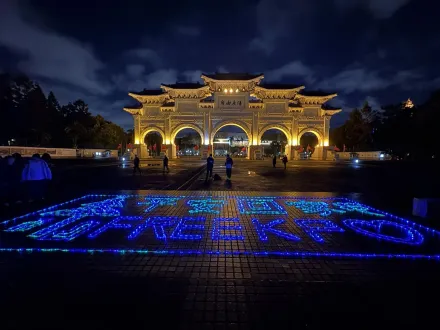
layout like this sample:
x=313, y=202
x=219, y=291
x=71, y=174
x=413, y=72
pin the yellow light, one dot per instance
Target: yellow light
x=230, y=90
x=326, y=144
x=136, y=141
x=236, y=90
x=226, y=90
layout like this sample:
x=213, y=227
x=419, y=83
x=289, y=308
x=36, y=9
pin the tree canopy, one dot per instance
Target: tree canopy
x=407, y=131
x=30, y=118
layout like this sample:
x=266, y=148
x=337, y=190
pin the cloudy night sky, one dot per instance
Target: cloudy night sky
x=382, y=51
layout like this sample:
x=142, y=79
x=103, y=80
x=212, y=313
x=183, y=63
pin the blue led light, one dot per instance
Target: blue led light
x=356, y=207
x=314, y=227
x=67, y=221
x=158, y=224
x=373, y=228
x=157, y=201
x=290, y=254
x=25, y=226
x=106, y=208
x=313, y=207
x=208, y=205
x=323, y=208
x=68, y=235
x=115, y=223
x=220, y=225
x=260, y=206
x=183, y=225
x=269, y=227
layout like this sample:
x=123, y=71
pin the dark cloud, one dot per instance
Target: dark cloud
x=145, y=55
x=290, y=70
x=190, y=31
x=380, y=9
x=47, y=54
x=382, y=51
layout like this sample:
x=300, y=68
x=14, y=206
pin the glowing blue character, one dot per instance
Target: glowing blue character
x=259, y=205
x=155, y=202
x=355, y=207
x=208, y=205
x=158, y=223
x=380, y=229
x=262, y=230
x=312, y=207
x=106, y=208
x=188, y=224
x=314, y=228
x=221, y=227
x=114, y=224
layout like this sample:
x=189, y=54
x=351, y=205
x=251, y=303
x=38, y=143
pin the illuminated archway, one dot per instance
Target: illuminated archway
x=180, y=127
x=152, y=129
x=281, y=128
x=236, y=123
x=242, y=125
x=317, y=133
x=284, y=149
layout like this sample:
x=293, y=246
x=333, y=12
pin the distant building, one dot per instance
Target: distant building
x=408, y=104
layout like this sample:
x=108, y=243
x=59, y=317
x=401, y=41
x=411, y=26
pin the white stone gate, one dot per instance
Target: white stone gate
x=231, y=99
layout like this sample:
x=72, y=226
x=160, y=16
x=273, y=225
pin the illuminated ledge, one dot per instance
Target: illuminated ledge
x=299, y=254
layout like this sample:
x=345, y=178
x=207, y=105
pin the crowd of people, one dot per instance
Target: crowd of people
x=24, y=179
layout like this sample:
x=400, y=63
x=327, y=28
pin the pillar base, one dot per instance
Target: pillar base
x=205, y=151
x=255, y=152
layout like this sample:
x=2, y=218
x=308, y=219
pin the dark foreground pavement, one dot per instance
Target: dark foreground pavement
x=239, y=289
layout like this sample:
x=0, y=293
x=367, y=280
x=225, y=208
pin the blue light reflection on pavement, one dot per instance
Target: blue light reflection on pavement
x=301, y=227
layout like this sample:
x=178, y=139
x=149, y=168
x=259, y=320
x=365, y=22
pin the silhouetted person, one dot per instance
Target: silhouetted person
x=274, y=160
x=36, y=175
x=16, y=178
x=285, y=161
x=228, y=164
x=136, y=163
x=46, y=157
x=165, y=164
x=209, y=166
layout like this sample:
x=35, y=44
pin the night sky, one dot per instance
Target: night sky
x=382, y=51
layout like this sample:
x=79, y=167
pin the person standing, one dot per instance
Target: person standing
x=36, y=174
x=285, y=161
x=228, y=164
x=209, y=167
x=136, y=167
x=274, y=161
x=165, y=164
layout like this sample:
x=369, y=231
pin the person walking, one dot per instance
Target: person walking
x=136, y=167
x=36, y=175
x=209, y=167
x=228, y=164
x=274, y=161
x=165, y=164
x=285, y=161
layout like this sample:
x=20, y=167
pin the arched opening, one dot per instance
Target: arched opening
x=232, y=139
x=274, y=142
x=187, y=142
x=153, y=141
x=309, y=141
